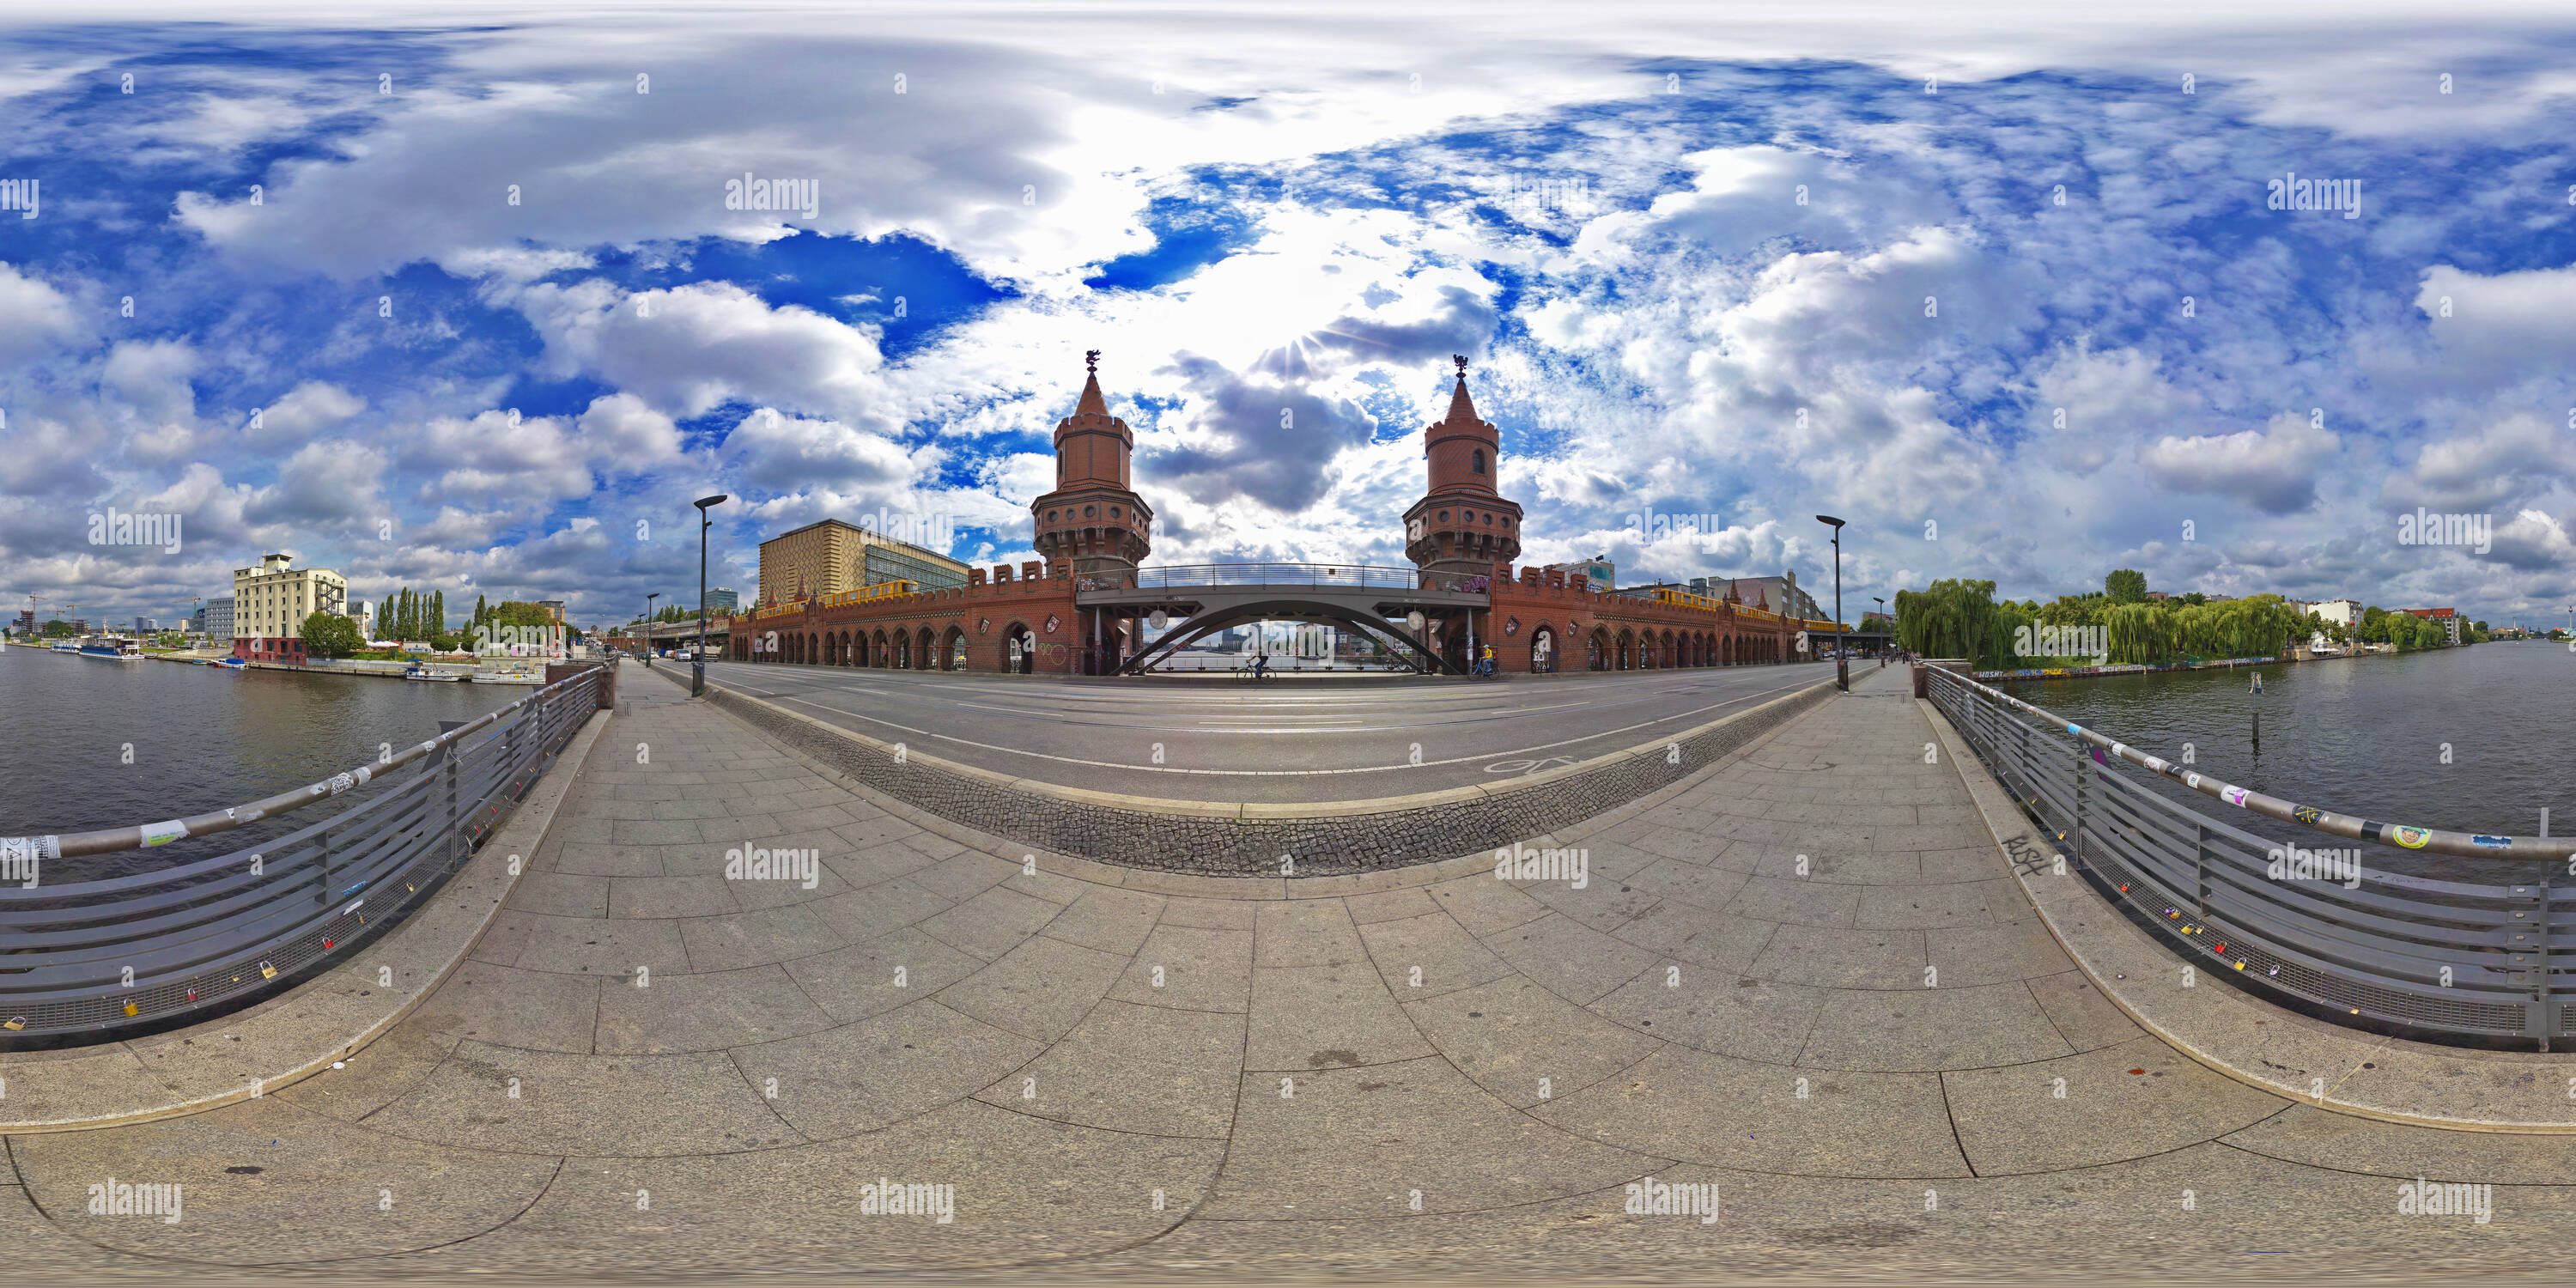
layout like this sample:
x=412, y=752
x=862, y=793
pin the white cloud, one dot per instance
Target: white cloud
x=2273, y=469
x=35, y=319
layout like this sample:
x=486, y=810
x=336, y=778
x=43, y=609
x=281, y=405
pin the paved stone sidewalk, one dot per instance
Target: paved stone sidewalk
x=1807, y=979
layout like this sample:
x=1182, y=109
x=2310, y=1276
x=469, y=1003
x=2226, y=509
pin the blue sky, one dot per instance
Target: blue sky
x=2012, y=303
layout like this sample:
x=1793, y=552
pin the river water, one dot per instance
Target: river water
x=2476, y=739
x=200, y=738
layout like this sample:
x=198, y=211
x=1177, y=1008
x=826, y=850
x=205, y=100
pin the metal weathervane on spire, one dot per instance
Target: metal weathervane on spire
x=1091, y=360
x=1461, y=360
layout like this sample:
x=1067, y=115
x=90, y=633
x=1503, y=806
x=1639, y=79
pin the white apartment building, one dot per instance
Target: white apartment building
x=2334, y=612
x=271, y=601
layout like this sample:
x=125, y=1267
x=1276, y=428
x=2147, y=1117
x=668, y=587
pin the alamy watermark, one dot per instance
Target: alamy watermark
x=1651, y=1197
x=1527, y=863
x=19, y=195
x=2420, y=1197
x=2342, y=866
x=2425, y=528
x=804, y=867
x=1652, y=526
x=494, y=640
x=890, y=1198
x=2063, y=641
x=799, y=196
x=119, y=528
x=933, y=531
x=2290, y=192
x=1522, y=194
x=117, y=1198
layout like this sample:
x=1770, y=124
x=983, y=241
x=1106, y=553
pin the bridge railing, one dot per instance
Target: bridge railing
x=2316, y=924
x=91, y=958
x=1352, y=576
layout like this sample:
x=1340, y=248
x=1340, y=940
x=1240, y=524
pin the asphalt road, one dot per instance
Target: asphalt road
x=1300, y=738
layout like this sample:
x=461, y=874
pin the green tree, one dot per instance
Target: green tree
x=57, y=629
x=330, y=635
x=1957, y=618
x=2125, y=586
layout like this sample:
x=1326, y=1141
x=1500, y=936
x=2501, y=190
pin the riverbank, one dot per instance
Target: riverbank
x=2207, y=664
x=518, y=671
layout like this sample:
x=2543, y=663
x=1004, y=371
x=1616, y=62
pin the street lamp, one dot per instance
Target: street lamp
x=1842, y=663
x=698, y=659
x=648, y=628
x=1891, y=630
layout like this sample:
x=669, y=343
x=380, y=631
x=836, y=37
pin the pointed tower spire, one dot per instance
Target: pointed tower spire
x=1462, y=408
x=1092, y=403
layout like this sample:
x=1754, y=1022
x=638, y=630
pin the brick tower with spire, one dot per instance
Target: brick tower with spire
x=1462, y=524
x=1093, y=521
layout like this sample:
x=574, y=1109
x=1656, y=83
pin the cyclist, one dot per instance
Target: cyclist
x=1485, y=661
x=1260, y=667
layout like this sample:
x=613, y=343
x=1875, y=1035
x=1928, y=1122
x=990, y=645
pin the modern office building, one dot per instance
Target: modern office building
x=271, y=601
x=829, y=556
x=723, y=601
x=1598, y=573
x=146, y=625
x=215, y=620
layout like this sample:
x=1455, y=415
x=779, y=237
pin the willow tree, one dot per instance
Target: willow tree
x=1957, y=618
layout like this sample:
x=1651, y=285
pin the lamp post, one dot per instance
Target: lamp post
x=1891, y=630
x=1842, y=663
x=648, y=628
x=698, y=658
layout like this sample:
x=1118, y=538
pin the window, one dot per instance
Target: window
x=1480, y=460
x=1113, y=512
x=1089, y=511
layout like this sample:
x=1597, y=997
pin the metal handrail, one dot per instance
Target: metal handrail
x=116, y=839
x=2474, y=845
x=2319, y=928
x=89, y=959
x=1359, y=576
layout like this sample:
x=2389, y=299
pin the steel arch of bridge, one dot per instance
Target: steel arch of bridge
x=1200, y=625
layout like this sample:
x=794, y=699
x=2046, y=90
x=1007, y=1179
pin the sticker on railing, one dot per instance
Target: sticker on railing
x=2234, y=796
x=163, y=833
x=2490, y=842
x=15, y=849
x=2413, y=838
x=2308, y=814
